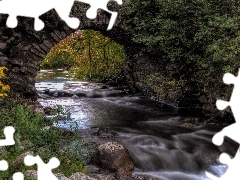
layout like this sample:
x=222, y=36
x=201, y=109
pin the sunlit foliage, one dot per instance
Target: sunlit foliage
x=94, y=55
x=4, y=88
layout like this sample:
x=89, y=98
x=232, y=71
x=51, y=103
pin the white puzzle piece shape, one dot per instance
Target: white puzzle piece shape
x=233, y=167
x=18, y=176
x=100, y=4
x=36, y=8
x=230, y=131
x=3, y=165
x=9, y=140
x=44, y=170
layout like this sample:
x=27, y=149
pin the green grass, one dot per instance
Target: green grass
x=31, y=135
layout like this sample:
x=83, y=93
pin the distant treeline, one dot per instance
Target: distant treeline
x=94, y=55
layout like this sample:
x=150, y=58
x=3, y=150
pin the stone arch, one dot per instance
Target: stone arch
x=22, y=49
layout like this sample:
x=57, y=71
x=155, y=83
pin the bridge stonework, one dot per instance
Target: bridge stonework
x=22, y=49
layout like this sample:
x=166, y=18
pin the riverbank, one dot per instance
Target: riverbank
x=35, y=136
x=154, y=135
x=183, y=107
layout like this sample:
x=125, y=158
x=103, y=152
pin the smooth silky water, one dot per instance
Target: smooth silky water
x=161, y=143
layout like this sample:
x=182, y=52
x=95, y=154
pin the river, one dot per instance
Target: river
x=161, y=142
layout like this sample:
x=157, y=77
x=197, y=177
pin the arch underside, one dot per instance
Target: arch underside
x=22, y=49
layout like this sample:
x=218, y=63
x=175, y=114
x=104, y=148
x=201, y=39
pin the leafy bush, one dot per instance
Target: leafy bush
x=200, y=36
x=32, y=135
x=164, y=87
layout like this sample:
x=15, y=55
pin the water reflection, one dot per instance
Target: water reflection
x=160, y=141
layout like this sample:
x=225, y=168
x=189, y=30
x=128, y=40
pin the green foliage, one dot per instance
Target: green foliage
x=100, y=56
x=32, y=135
x=181, y=29
x=200, y=35
x=61, y=59
x=165, y=87
x=94, y=55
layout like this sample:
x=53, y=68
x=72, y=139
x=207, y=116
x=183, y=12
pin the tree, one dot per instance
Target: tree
x=200, y=35
x=94, y=55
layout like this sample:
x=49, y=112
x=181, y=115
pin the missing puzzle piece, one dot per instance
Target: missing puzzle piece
x=233, y=167
x=3, y=165
x=230, y=131
x=44, y=170
x=35, y=8
x=9, y=140
x=100, y=4
x=234, y=102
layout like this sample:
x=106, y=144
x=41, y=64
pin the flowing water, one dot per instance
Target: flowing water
x=162, y=143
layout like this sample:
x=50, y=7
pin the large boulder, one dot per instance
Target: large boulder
x=115, y=157
x=105, y=133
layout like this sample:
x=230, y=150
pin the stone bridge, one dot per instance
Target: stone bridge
x=22, y=49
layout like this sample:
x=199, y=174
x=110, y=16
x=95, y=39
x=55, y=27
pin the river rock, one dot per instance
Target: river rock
x=43, y=96
x=32, y=175
x=64, y=93
x=80, y=176
x=115, y=157
x=105, y=133
x=48, y=110
x=39, y=110
x=61, y=176
x=92, y=169
x=143, y=177
x=103, y=177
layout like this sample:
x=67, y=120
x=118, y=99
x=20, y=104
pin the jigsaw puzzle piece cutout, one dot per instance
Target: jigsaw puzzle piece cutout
x=26, y=8
x=44, y=170
x=234, y=102
x=3, y=165
x=36, y=8
x=63, y=8
x=229, y=131
x=229, y=78
x=221, y=104
x=100, y=4
x=9, y=140
x=18, y=176
x=233, y=167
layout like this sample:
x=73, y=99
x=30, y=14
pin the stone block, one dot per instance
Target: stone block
x=3, y=61
x=3, y=46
